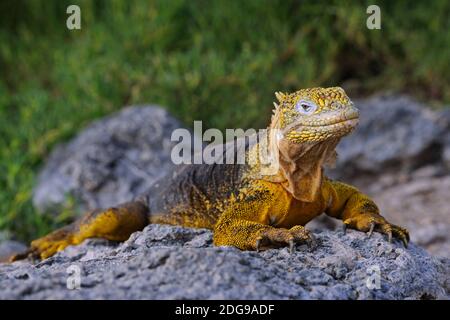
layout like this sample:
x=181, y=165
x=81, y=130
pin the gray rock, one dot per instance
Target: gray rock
x=108, y=163
x=167, y=262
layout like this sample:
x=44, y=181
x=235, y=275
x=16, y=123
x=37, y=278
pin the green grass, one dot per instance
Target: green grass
x=218, y=61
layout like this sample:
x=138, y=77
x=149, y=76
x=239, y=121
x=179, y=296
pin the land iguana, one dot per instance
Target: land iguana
x=244, y=206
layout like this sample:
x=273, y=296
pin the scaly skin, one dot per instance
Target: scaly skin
x=244, y=204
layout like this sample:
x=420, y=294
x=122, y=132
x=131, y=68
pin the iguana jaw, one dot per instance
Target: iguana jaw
x=333, y=124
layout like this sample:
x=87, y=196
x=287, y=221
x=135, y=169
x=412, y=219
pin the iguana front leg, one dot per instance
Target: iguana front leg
x=359, y=212
x=245, y=225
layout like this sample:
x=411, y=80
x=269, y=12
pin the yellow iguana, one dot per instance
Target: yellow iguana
x=245, y=207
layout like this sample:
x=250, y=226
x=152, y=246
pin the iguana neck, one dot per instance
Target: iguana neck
x=300, y=165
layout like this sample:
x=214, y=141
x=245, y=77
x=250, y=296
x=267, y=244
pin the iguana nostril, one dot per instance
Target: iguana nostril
x=351, y=113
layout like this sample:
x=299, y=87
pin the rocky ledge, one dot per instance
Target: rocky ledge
x=166, y=262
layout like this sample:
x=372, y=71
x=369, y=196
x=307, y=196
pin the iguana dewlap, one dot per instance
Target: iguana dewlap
x=243, y=204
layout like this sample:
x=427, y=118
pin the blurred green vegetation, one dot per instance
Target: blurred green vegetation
x=218, y=61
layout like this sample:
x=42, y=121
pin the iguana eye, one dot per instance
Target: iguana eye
x=305, y=107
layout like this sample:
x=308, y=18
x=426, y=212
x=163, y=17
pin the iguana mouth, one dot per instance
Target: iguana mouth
x=351, y=122
x=331, y=118
x=319, y=132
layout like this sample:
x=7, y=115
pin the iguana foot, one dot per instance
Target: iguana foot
x=369, y=222
x=281, y=237
x=47, y=246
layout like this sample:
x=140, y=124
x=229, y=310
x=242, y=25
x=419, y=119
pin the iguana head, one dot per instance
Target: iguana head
x=305, y=129
x=314, y=115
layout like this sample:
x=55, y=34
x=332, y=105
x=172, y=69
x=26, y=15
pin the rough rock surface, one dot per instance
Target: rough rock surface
x=109, y=162
x=166, y=262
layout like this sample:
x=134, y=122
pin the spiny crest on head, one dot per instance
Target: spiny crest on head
x=275, y=112
x=280, y=96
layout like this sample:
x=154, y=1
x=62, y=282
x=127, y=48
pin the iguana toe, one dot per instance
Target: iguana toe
x=368, y=222
x=279, y=237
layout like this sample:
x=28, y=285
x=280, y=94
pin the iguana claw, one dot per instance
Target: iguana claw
x=372, y=222
x=372, y=226
x=291, y=246
x=311, y=242
x=21, y=256
x=281, y=237
x=258, y=244
x=344, y=228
